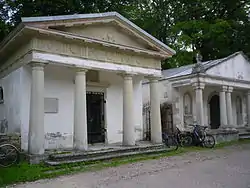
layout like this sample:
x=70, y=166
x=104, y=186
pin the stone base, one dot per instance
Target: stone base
x=225, y=134
x=36, y=159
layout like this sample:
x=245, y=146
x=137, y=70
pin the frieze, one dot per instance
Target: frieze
x=94, y=53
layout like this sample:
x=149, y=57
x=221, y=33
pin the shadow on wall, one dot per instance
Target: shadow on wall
x=4, y=126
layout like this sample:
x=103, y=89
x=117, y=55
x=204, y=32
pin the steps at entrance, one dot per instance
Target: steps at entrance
x=244, y=133
x=104, y=154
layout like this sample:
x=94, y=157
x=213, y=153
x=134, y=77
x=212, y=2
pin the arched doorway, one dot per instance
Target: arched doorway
x=214, y=105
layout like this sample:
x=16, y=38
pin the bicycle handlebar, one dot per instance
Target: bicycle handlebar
x=194, y=125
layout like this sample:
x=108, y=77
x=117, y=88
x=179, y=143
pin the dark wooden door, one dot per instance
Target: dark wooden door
x=215, y=112
x=95, y=117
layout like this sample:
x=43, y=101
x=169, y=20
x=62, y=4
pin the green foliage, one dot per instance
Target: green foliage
x=215, y=28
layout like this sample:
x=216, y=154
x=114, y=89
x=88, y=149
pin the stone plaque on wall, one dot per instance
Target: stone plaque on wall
x=50, y=105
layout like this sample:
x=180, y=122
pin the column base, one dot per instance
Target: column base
x=127, y=144
x=156, y=140
x=80, y=148
x=36, y=159
x=227, y=128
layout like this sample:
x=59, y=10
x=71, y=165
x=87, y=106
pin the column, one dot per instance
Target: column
x=80, y=115
x=229, y=106
x=156, y=131
x=248, y=108
x=128, y=111
x=199, y=102
x=36, y=122
x=223, y=108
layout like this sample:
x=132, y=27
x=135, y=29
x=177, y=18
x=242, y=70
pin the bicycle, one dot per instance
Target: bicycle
x=170, y=141
x=9, y=154
x=201, y=137
x=183, y=138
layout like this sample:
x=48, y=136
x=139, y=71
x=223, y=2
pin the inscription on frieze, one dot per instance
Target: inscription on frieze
x=95, y=53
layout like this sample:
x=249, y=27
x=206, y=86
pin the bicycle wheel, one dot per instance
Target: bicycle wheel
x=171, y=143
x=186, y=140
x=9, y=155
x=209, y=141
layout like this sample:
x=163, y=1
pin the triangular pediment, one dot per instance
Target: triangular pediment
x=109, y=32
x=108, y=27
x=235, y=66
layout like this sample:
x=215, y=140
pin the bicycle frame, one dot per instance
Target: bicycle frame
x=197, y=137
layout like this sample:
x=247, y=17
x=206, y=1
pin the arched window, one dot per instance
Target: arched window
x=239, y=110
x=187, y=104
x=1, y=95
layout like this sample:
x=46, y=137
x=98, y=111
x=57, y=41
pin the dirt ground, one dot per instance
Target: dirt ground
x=221, y=168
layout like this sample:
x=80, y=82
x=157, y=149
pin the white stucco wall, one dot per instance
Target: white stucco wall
x=11, y=108
x=175, y=97
x=208, y=92
x=165, y=91
x=167, y=94
x=236, y=68
x=59, y=83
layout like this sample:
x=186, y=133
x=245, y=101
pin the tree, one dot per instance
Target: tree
x=215, y=28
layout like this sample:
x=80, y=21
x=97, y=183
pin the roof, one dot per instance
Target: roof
x=187, y=69
x=100, y=15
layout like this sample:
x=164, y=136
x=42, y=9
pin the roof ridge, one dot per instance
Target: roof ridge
x=67, y=16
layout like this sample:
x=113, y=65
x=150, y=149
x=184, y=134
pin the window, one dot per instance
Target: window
x=1, y=95
x=187, y=104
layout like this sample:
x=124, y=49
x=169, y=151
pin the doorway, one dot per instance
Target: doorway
x=95, y=117
x=214, y=105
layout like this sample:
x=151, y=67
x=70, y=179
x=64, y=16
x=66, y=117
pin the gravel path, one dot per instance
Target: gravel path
x=228, y=167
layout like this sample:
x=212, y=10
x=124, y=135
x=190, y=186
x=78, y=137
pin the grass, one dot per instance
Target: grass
x=26, y=172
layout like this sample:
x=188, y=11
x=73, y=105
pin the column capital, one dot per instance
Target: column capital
x=126, y=75
x=230, y=89
x=35, y=65
x=224, y=88
x=79, y=70
x=198, y=85
x=153, y=78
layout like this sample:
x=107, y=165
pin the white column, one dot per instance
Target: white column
x=80, y=115
x=223, y=108
x=248, y=108
x=128, y=111
x=199, y=102
x=156, y=131
x=229, y=106
x=36, y=123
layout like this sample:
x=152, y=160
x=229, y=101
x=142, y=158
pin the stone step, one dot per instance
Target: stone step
x=244, y=135
x=104, y=157
x=103, y=152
